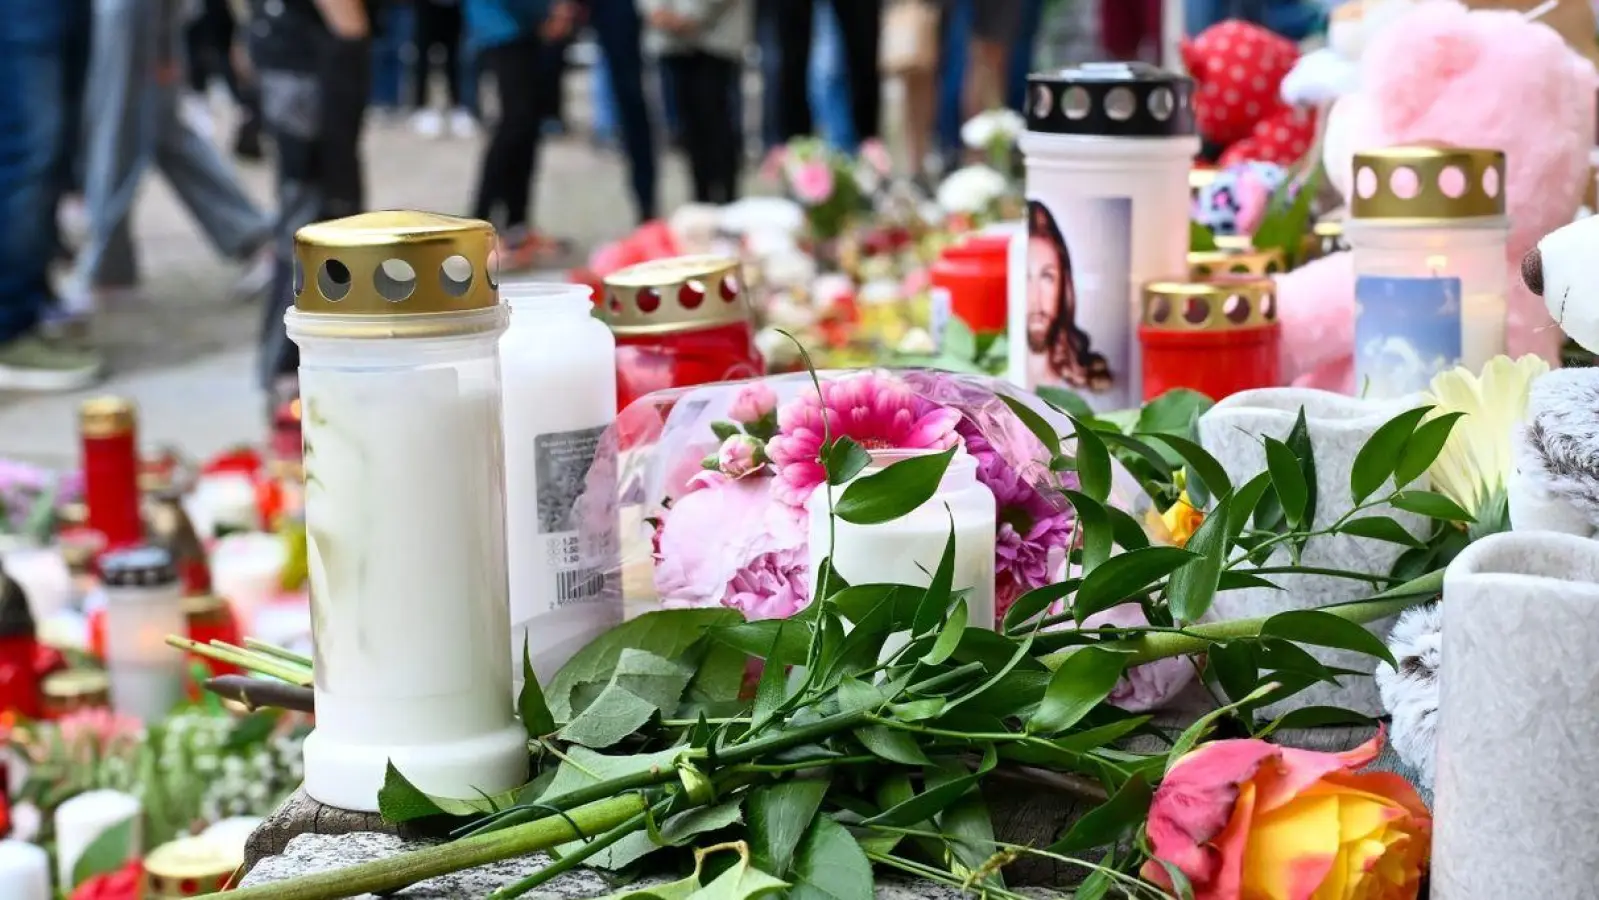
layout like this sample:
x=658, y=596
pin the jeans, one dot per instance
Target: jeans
x=703, y=83
x=957, y=35
x=521, y=71
x=618, y=29
x=859, y=24
x=389, y=51
x=42, y=51
x=828, y=82
x=771, y=70
x=1293, y=19
x=1022, y=52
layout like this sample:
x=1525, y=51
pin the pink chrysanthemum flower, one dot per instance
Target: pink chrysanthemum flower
x=874, y=409
x=1029, y=525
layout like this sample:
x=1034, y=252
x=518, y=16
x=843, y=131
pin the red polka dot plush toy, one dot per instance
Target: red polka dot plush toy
x=1239, y=68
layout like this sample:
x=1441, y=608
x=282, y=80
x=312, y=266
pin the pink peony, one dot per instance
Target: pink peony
x=740, y=455
x=812, y=182
x=731, y=544
x=875, y=409
x=753, y=403
x=875, y=153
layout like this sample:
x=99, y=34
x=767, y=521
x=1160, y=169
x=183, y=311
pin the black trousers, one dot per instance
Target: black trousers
x=703, y=85
x=438, y=25
x=527, y=76
x=859, y=23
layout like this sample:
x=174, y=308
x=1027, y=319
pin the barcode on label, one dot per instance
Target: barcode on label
x=579, y=585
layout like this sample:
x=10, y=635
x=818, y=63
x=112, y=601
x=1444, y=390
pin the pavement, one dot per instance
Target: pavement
x=184, y=351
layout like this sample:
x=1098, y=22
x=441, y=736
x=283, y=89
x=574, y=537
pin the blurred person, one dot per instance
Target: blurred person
x=393, y=56
x=995, y=29
x=1022, y=53
x=1130, y=29
x=618, y=29
x=701, y=44
x=43, y=51
x=133, y=119
x=313, y=59
x=828, y=83
x=859, y=22
x=1293, y=19
x=209, y=39
x=439, y=27
x=519, y=41
x=910, y=53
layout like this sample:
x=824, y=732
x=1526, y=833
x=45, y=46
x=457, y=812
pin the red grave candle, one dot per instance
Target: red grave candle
x=975, y=273
x=111, y=471
x=680, y=322
x=1217, y=338
x=19, y=650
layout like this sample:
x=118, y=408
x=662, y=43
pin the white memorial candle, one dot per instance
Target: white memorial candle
x=85, y=817
x=24, y=871
x=144, y=604
x=44, y=577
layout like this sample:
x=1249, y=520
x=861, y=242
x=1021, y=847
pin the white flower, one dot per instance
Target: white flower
x=784, y=312
x=778, y=351
x=791, y=268
x=1480, y=453
x=982, y=130
x=753, y=214
x=917, y=341
x=971, y=189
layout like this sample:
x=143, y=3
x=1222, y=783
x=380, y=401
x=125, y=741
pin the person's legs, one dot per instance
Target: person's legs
x=602, y=99
x=345, y=87
x=388, y=72
x=921, y=104
x=427, y=37
x=505, y=184
x=205, y=182
x=617, y=26
x=671, y=109
x=724, y=125
x=952, y=74
x=993, y=31
x=827, y=81
x=687, y=79
x=1022, y=52
x=448, y=35
x=771, y=46
x=795, y=30
x=860, y=26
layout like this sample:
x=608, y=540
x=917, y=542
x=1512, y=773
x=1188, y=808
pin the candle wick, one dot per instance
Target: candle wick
x=1541, y=10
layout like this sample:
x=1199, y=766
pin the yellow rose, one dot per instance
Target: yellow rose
x=1177, y=524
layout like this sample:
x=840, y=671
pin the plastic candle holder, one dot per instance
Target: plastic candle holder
x=559, y=366
x=969, y=282
x=1108, y=151
x=1217, y=337
x=83, y=818
x=144, y=604
x=1427, y=227
x=680, y=322
x=24, y=871
x=398, y=323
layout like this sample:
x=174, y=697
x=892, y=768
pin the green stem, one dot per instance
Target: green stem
x=244, y=659
x=1332, y=573
x=568, y=861
x=278, y=652
x=419, y=865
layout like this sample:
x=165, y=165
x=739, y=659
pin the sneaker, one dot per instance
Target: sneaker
x=247, y=141
x=257, y=275
x=34, y=362
x=428, y=123
x=196, y=110
x=462, y=124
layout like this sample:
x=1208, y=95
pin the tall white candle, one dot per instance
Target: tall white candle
x=559, y=367
x=144, y=604
x=85, y=817
x=24, y=871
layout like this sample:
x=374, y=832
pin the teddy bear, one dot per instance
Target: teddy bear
x=1238, y=68
x=1473, y=78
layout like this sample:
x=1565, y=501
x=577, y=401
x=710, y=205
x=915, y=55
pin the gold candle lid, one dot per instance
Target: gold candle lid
x=685, y=293
x=1230, y=304
x=395, y=274
x=1428, y=183
x=1203, y=264
x=104, y=417
x=72, y=689
x=200, y=606
x=187, y=867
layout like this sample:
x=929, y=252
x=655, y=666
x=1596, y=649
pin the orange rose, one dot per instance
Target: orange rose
x=1177, y=524
x=1248, y=819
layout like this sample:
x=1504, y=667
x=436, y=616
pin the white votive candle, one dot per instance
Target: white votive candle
x=24, y=871
x=44, y=577
x=144, y=605
x=247, y=570
x=87, y=816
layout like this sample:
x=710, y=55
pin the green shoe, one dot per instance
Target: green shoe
x=34, y=362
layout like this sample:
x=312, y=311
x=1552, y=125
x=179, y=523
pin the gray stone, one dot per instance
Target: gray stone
x=311, y=853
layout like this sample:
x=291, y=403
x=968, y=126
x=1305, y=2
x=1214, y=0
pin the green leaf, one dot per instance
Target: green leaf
x=1066, y=402
x=1380, y=528
x=1423, y=447
x=1036, y=601
x=1126, y=531
x=1233, y=665
x=949, y=636
x=1299, y=443
x=831, y=865
x=1312, y=626
x=1093, y=462
x=1201, y=465
x=1173, y=412
x=1245, y=500
x=770, y=692
x=1193, y=733
x=1318, y=717
x=251, y=730
x=1110, y=821
x=1285, y=224
x=778, y=817
x=844, y=459
x=1287, y=479
x=719, y=678
x=584, y=768
x=896, y=490
x=537, y=720
x=928, y=803
x=1081, y=682
x=1124, y=576
x=1035, y=423
x=1094, y=738
x=674, y=832
x=1193, y=586
x=401, y=801
x=892, y=745
x=110, y=850
x=935, y=602
x=1433, y=506
x=1200, y=238
x=969, y=830
x=641, y=686
x=723, y=430
x=786, y=639
x=668, y=634
x=1093, y=522
x=741, y=882
x=1375, y=462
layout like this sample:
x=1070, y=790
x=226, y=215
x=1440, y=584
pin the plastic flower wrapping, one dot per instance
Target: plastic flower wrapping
x=711, y=484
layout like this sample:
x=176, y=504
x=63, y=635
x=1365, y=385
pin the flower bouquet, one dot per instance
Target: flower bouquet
x=833, y=187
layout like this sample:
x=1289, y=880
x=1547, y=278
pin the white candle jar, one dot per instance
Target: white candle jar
x=143, y=605
x=1108, y=148
x=559, y=366
x=83, y=818
x=398, y=322
x=905, y=550
x=1427, y=228
x=24, y=871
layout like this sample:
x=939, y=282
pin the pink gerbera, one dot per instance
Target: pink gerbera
x=874, y=409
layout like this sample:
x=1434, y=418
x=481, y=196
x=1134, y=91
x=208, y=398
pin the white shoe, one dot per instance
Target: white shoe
x=462, y=124
x=256, y=277
x=197, y=112
x=428, y=123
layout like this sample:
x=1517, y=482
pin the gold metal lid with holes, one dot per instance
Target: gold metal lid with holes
x=1203, y=264
x=104, y=417
x=73, y=689
x=1229, y=304
x=1428, y=183
x=1234, y=243
x=187, y=867
x=395, y=274
x=685, y=293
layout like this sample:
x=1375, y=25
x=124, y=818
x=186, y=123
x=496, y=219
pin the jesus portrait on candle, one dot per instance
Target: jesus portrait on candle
x=1058, y=347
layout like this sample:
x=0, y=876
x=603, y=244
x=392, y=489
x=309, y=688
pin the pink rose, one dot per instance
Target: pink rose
x=732, y=544
x=740, y=455
x=753, y=403
x=812, y=182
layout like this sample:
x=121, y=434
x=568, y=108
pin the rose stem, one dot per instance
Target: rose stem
x=278, y=652
x=568, y=861
x=253, y=662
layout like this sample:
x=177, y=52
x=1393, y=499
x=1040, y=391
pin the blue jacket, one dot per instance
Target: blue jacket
x=490, y=23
